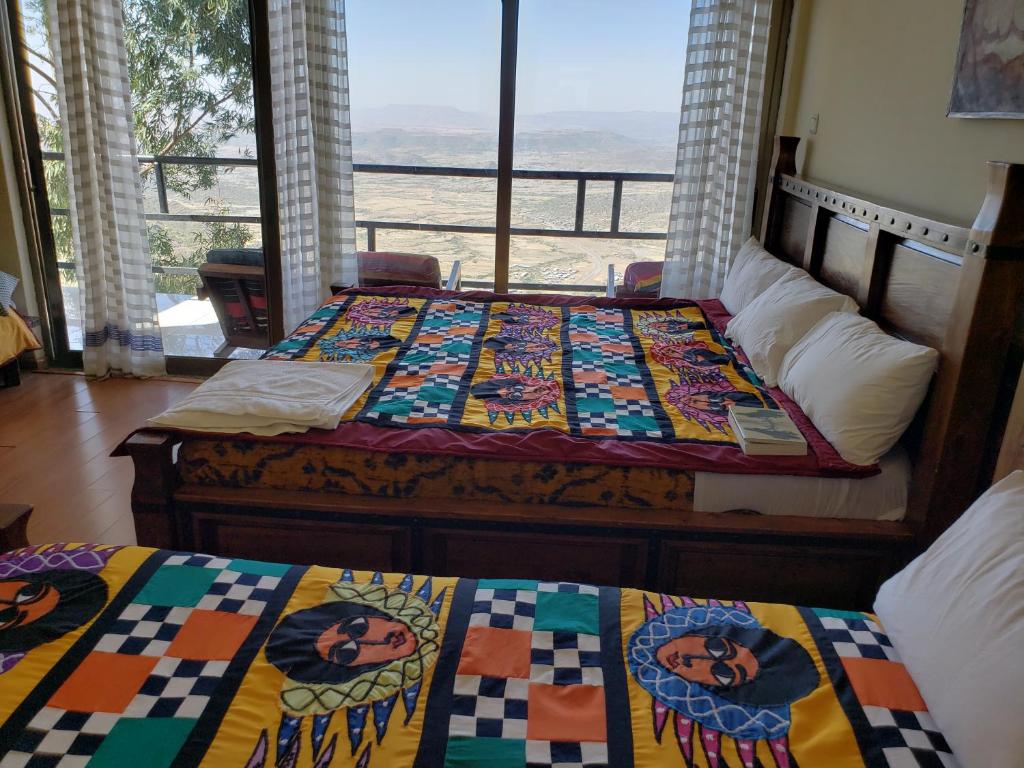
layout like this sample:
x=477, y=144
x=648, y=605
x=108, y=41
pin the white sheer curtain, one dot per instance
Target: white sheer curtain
x=313, y=150
x=717, y=156
x=108, y=224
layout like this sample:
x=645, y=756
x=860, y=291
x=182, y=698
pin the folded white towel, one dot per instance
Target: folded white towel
x=270, y=397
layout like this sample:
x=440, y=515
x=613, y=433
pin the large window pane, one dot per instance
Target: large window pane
x=424, y=86
x=598, y=90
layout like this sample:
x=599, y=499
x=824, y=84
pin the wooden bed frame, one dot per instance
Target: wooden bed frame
x=955, y=289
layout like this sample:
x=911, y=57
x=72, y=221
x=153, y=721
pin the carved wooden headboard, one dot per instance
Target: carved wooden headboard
x=942, y=285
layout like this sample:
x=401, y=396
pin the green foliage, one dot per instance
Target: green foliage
x=191, y=84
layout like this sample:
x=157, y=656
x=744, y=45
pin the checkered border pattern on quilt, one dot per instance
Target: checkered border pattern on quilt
x=504, y=609
x=177, y=688
x=858, y=638
x=489, y=707
x=235, y=592
x=565, y=658
x=55, y=738
x=566, y=754
x=909, y=739
x=144, y=630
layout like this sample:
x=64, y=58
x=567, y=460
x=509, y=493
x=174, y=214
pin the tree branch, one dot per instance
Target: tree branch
x=49, y=107
x=38, y=55
x=42, y=73
x=178, y=136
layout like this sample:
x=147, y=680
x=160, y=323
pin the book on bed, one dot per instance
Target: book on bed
x=766, y=432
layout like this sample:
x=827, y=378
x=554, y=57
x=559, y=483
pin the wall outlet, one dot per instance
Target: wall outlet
x=813, y=129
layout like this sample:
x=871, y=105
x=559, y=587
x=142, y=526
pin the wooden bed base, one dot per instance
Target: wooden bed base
x=955, y=289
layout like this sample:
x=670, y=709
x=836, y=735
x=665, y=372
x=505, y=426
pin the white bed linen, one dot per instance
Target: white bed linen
x=879, y=497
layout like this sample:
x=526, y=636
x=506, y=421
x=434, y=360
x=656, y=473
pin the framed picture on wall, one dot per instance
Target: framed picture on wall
x=989, y=77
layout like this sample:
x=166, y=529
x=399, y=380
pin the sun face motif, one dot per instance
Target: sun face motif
x=378, y=314
x=669, y=326
x=719, y=673
x=354, y=347
x=707, y=404
x=518, y=393
x=360, y=650
x=525, y=320
x=46, y=592
x=515, y=353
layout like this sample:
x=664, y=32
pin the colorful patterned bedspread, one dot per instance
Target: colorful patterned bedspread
x=652, y=380
x=126, y=656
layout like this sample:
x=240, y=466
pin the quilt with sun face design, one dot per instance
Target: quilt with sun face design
x=546, y=377
x=119, y=656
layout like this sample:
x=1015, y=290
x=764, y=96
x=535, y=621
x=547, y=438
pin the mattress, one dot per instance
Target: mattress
x=116, y=656
x=879, y=497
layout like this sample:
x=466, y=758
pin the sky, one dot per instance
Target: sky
x=591, y=55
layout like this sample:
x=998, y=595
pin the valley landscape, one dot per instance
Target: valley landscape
x=440, y=136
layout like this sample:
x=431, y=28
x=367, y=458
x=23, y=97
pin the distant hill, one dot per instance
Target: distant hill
x=656, y=128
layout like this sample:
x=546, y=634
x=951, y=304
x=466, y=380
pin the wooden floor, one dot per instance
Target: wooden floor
x=56, y=435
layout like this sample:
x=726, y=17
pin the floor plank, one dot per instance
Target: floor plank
x=56, y=435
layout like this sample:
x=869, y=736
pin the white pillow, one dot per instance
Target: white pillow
x=955, y=616
x=772, y=323
x=753, y=270
x=857, y=384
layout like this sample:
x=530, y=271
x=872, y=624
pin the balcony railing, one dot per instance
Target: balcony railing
x=372, y=226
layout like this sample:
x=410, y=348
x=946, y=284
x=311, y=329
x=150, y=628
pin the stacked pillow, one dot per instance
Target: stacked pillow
x=752, y=272
x=771, y=324
x=859, y=386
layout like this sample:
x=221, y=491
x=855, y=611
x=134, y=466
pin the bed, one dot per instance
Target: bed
x=113, y=655
x=15, y=338
x=177, y=658
x=585, y=507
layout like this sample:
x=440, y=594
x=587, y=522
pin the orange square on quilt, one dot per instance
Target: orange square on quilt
x=629, y=393
x=211, y=635
x=590, y=377
x=495, y=652
x=406, y=382
x=566, y=713
x=883, y=683
x=581, y=336
x=451, y=369
x=625, y=349
x=104, y=682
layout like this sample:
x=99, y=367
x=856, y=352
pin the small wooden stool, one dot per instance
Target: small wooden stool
x=14, y=526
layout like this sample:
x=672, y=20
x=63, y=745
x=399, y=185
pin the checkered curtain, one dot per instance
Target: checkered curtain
x=716, y=159
x=313, y=149
x=108, y=224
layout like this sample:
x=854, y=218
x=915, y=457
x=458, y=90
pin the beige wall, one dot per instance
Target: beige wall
x=878, y=73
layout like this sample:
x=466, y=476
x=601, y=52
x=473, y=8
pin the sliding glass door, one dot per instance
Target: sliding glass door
x=191, y=73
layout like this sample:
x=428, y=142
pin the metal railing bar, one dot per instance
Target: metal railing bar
x=581, y=204
x=616, y=205
x=562, y=287
x=468, y=229
x=161, y=188
x=516, y=231
x=157, y=269
x=416, y=170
